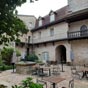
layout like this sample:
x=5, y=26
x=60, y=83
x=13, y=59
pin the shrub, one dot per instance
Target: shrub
x=31, y=57
x=18, y=53
x=1, y=60
x=7, y=55
x=5, y=67
x=28, y=83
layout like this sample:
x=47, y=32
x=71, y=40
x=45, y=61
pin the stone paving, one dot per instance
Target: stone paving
x=8, y=78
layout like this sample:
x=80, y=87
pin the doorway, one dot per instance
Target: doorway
x=61, y=54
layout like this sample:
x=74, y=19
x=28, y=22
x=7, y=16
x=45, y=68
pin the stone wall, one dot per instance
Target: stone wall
x=51, y=49
x=76, y=5
x=80, y=50
x=29, y=21
x=75, y=26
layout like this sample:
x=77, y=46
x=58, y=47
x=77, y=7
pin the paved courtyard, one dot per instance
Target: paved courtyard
x=9, y=78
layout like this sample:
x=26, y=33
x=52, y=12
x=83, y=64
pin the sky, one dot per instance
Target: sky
x=40, y=7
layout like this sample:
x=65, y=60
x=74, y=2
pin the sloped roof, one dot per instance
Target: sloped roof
x=61, y=13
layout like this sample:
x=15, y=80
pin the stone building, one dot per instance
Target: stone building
x=29, y=21
x=62, y=35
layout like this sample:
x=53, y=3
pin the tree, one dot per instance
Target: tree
x=11, y=27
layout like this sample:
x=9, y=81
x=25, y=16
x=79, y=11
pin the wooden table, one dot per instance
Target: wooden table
x=54, y=80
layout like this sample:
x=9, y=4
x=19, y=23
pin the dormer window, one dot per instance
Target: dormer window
x=40, y=22
x=52, y=16
x=40, y=19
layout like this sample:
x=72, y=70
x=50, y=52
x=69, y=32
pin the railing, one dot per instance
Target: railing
x=50, y=38
x=78, y=34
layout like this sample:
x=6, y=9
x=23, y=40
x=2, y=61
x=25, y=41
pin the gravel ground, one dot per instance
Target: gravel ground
x=8, y=78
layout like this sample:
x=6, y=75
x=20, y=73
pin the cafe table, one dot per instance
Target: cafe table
x=54, y=80
x=46, y=68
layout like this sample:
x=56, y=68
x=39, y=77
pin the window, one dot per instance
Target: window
x=52, y=32
x=39, y=35
x=40, y=22
x=83, y=30
x=52, y=17
x=30, y=24
x=45, y=56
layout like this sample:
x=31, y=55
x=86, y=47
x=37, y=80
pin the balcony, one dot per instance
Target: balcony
x=61, y=37
x=78, y=35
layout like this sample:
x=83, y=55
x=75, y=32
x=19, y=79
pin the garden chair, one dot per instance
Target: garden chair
x=56, y=70
x=41, y=73
x=76, y=73
x=74, y=84
x=71, y=83
x=42, y=83
x=34, y=71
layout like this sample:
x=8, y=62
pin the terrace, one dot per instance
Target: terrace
x=62, y=80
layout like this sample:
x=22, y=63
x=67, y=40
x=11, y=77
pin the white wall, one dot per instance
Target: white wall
x=60, y=32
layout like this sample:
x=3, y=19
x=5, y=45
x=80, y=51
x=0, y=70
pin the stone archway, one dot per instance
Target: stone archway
x=61, y=54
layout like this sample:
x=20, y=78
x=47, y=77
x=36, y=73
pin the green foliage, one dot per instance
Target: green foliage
x=18, y=53
x=3, y=86
x=7, y=55
x=1, y=62
x=4, y=67
x=28, y=83
x=31, y=57
x=10, y=26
